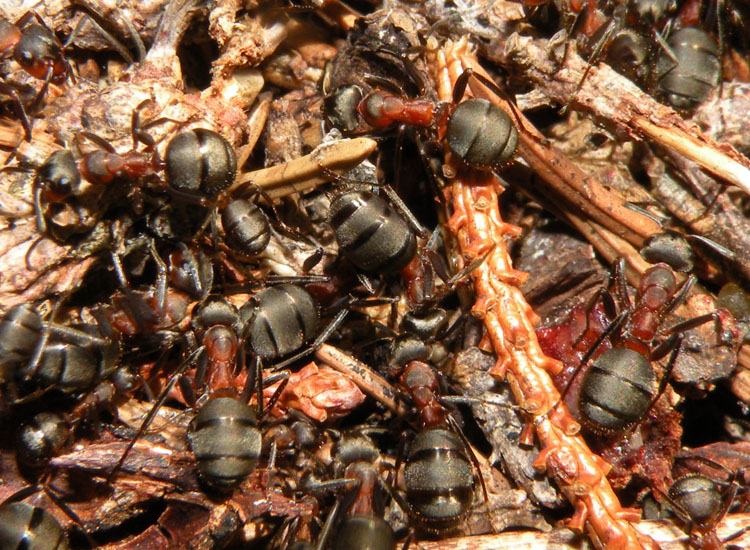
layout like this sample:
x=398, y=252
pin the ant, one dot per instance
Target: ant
x=36, y=49
x=48, y=434
x=275, y=322
x=673, y=247
x=153, y=312
x=357, y=469
x=439, y=467
x=59, y=178
x=198, y=163
x=701, y=503
x=223, y=436
x=737, y=301
x=479, y=132
x=618, y=390
x=24, y=525
x=33, y=45
x=51, y=356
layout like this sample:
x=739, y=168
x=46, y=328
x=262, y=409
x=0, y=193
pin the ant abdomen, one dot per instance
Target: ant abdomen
x=225, y=439
x=26, y=526
x=371, y=234
x=481, y=133
x=439, y=478
x=200, y=163
x=281, y=319
x=354, y=530
x=698, y=495
x=697, y=71
x=246, y=227
x=616, y=391
x=44, y=436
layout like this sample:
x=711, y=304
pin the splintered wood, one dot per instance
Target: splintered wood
x=478, y=226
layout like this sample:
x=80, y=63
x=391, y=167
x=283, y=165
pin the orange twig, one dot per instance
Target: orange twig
x=477, y=224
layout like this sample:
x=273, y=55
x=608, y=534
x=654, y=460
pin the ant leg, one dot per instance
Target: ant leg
x=404, y=210
x=415, y=75
x=201, y=371
x=473, y=457
x=459, y=88
x=609, y=31
x=608, y=301
x=42, y=93
x=186, y=387
x=284, y=376
x=8, y=90
x=713, y=245
x=397, y=157
x=119, y=270
x=161, y=279
x=41, y=223
x=638, y=207
x=618, y=281
x=39, y=349
x=255, y=382
x=190, y=360
x=468, y=269
x=27, y=257
x=325, y=532
x=401, y=453
x=366, y=282
x=111, y=40
x=100, y=21
x=190, y=198
x=612, y=328
x=138, y=129
x=254, y=373
x=674, y=343
x=98, y=141
x=679, y=297
x=139, y=136
x=724, y=337
x=437, y=261
x=384, y=83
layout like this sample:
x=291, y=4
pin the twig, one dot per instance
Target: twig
x=368, y=381
x=308, y=171
x=667, y=534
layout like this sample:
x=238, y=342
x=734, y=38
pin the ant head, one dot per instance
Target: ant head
x=39, y=52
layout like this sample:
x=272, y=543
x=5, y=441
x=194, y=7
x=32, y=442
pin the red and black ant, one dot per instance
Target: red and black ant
x=36, y=49
x=33, y=45
x=701, y=502
x=480, y=133
x=440, y=466
x=199, y=163
x=619, y=386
